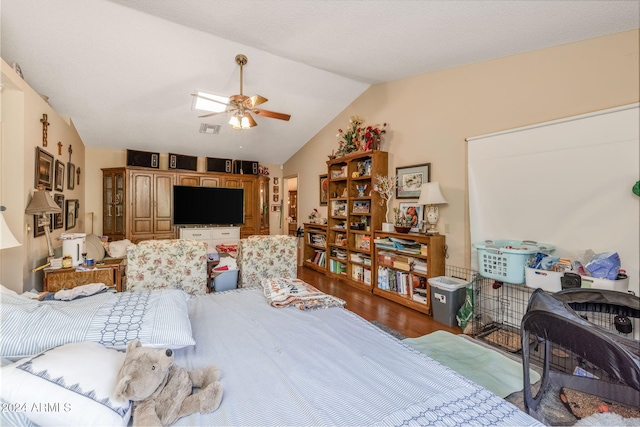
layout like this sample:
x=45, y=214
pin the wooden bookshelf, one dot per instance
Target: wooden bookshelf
x=354, y=211
x=406, y=264
x=315, y=246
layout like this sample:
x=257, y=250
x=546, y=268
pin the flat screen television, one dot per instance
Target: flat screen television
x=207, y=205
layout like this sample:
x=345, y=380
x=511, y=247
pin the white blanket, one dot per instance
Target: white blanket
x=324, y=367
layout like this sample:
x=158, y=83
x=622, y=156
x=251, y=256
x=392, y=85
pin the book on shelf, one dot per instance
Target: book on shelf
x=337, y=267
x=405, y=266
x=419, y=266
x=367, y=276
x=357, y=272
x=318, y=258
x=317, y=239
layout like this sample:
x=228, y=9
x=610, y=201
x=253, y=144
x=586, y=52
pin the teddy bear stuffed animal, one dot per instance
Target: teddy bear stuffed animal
x=162, y=391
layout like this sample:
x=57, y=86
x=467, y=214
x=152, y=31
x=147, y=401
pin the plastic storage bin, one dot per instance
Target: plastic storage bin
x=621, y=285
x=447, y=296
x=546, y=280
x=505, y=260
x=225, y=280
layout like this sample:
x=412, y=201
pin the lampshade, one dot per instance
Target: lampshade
x=430, y=194
x=7, y=239
x=41, y=202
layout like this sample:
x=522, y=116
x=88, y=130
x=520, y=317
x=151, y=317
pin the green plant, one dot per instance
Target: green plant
x=400, y=219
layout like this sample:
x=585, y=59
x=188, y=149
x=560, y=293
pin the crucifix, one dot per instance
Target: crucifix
x=70, y=151
x=59, y=148
x=78, y=173
x=45, y=125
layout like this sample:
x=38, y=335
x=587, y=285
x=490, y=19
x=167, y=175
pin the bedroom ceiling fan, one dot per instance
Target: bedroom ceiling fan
x=242, y=106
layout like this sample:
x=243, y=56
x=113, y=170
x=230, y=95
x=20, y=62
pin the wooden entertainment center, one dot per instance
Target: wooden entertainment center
x=138, y=202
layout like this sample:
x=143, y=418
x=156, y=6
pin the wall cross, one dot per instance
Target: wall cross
x=45, y=125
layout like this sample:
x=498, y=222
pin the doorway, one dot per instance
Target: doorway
x=290, y=187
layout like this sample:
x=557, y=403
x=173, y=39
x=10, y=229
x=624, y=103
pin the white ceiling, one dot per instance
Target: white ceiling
x=123, y=70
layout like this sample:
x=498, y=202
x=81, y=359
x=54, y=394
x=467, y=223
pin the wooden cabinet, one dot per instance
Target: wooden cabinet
x=404, y=263
x=113, y=204
x=315, y=247
x=354, y=211
x=212, y=236
x=151, y=201
x=138, y=202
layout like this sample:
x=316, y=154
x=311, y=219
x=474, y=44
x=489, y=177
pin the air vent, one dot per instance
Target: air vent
x=207, y=128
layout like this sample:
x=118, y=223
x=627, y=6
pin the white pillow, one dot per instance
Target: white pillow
x=118, y=249
x=7, y=291
x=70, y=385
x=158, y=318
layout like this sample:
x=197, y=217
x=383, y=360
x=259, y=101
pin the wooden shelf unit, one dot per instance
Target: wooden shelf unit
x=432, y=254
x=315, y=245
x=354, y=211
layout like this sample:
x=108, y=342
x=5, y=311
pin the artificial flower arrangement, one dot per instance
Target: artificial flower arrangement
x=386, y=186
x=358, y=137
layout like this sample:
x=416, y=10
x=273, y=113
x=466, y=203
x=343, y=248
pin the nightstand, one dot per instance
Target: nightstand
x=110, y=272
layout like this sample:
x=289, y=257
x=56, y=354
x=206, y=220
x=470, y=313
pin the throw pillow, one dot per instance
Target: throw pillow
x=118, y=249
x=68, y=385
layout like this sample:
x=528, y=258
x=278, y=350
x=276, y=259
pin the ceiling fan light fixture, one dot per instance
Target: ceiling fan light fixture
x=244, y=123
x=235, y=122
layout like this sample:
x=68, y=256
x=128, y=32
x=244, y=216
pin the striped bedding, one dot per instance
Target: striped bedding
x=159, y=318
x=284, y=366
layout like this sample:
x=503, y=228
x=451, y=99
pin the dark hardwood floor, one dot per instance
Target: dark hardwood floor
x=408, y=322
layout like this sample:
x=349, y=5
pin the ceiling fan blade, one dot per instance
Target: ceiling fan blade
x=249, y=117
x=271, y=114
x=255, y=100
x=209, y=99
x=212, y=114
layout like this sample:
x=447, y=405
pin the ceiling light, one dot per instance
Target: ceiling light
x=201, y=103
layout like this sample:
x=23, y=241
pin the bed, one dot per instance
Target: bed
x=286, y=366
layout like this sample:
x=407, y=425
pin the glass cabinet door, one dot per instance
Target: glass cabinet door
x=118, y=203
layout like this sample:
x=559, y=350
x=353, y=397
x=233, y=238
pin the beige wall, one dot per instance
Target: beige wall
x=98, y=158
x=22, y=109
x=430, y=115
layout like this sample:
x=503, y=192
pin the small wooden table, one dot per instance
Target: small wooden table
x=109, y=271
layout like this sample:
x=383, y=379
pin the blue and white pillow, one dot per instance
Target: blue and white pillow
x=70, y=385
x=158, y=318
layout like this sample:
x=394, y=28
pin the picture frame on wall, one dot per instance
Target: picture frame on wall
x=44, y=169
x=59, y=176
x=38, y=226
x=413, y=211
x=70, y=213
x=324, y=190
x=58, y=218
x=71, y=176
x=410, y=179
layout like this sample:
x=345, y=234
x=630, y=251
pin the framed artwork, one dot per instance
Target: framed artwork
x=324, y=189
x=276, y=189
x=70, y=213
x=44, y=169
x=59, y=176
x=410, y=178
x=413, y=211
x=71, y=176
x=38, y=225
x=58, y=219
x=275, y=208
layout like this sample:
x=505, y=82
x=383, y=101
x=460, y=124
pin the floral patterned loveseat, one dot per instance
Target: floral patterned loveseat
x=163, y=264
x=263, y=257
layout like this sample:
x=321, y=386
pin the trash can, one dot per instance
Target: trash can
x=447, y=296
x=225, y=280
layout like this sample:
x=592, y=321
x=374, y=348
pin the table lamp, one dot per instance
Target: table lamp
x=430, y=195
x=7, y=239
x=42, y=204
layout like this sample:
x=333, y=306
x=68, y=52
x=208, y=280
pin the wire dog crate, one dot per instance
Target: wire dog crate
x=498, y=309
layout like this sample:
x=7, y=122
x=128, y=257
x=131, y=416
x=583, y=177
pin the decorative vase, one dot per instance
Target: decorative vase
x=400, y=229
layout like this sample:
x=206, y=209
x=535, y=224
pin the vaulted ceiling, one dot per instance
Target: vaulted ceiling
x=124, y=70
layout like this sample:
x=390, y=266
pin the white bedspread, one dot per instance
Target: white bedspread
x=324, y=367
